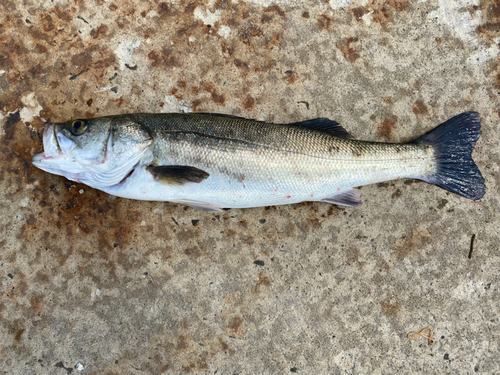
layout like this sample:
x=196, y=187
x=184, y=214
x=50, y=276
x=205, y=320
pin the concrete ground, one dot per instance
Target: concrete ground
x=101, y=285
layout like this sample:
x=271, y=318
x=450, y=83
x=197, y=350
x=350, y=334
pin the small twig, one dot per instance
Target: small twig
x=471, y=245
x=414, y=335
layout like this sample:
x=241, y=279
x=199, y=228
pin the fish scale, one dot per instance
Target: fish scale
x=248, y=159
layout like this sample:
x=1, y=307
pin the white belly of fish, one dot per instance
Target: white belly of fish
x=216, y=192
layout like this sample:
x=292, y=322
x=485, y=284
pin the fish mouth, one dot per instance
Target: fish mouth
x=54, y=159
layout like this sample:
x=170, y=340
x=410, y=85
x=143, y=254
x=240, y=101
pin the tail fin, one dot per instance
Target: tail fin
x=453, y=142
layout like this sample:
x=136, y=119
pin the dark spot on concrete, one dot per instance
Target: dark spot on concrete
x=324, y=22
x=262, y=221
x=383, y=10
x=194, y=222
x=352, y=255
x=359, y=12
x=63, y=14
x=74, y=76
x=396, y=194
x=99, y=32
x=410, y=182
x=36, y=71
x=195, y=104
x=263, y=281
x=476, y=368
x=183, y=342
x=164, y=58
x=291, y=76
x=249, y=102
x=81, y=59
x=274, y=41
x=31, y=219
x=249, y=31
x=163, y=9
x=10, y=275
x=114, y=89
x=194, y=252
x=40, y=48
x=305, y=15
x=18, y=336
x=259, y=263
x=442, y=203
x=419, y=108
x=236, y=328
x=276, y=9
x=36, y=304
x=390, y=309
x=89, y=102
x=294, y=369
x=241, y=64
x=348, y=50
x=446, y=356
x=413, y=241
x=69, y=370
x=216, y=98
x=12, y=119
x=489, y=30
x=42, y=278
x=131, y=67
x=385, y=129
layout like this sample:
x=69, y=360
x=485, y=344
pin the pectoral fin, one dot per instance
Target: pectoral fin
x=349, y=198
x=176, y=175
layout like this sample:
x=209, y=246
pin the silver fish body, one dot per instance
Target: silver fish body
x=215, y=161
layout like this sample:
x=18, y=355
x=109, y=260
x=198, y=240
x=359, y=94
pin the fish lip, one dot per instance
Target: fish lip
x=51, y=149
x=50, y=144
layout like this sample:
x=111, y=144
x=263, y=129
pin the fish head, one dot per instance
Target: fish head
x=98, y=152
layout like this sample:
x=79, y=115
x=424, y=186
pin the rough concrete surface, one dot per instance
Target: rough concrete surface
x=95, y=284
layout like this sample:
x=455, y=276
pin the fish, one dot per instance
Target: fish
x=214, y=162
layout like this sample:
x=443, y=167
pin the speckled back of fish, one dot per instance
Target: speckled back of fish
x=215, y=161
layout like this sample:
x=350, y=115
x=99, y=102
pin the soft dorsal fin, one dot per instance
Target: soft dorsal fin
x=324, y=125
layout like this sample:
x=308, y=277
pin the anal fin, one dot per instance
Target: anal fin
x=350, y=198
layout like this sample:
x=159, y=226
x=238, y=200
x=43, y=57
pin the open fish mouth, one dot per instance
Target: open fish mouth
x=56, y=157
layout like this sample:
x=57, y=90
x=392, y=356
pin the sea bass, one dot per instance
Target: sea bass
x=217, y=161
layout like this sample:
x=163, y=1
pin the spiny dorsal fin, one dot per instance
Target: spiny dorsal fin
x=324, y=125
x=176, y=174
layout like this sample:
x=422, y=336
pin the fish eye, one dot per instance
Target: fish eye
x=78, y=127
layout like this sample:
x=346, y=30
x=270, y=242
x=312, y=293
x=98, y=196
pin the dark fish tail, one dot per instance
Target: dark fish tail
x=453, y=142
